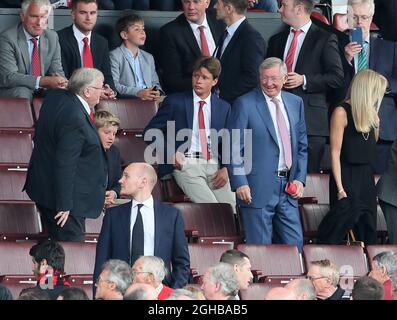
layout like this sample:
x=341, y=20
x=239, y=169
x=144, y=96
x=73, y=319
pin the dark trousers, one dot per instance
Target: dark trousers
x=73, y=230
x=315, y=152
x=390, y=213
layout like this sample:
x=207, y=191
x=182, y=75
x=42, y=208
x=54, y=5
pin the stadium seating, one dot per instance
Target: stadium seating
x=172, y=192
x=319, y=16
x=317, y=187
x=16, y=149
x=276, y=263
x=132, y=148
x=134, y=114
x=15, y=258
x=203, y=256
x=373, y=250
x=257, y=291
x=311, y=216
x=15, y=115
x=340, y=22
x=84, y=282
x=12, y=181
x=209, y=222
x=93, y=228
x=17, y=283
x=80, y=258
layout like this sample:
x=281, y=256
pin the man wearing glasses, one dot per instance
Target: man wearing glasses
x=381, y=56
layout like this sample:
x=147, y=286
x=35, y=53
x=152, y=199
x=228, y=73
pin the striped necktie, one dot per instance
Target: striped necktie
x=362, y=59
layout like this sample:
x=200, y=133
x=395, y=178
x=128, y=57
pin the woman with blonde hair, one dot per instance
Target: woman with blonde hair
x=353, y=135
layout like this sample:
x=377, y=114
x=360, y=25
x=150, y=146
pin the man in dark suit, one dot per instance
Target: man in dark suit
x=180, y=44
x=314, y=67
x=381, y=56
x=241, y=50
x=81, y=47
x=67, y=170
x=144, y=227
x=260, y=171
x=194, y=161
x=385, y=18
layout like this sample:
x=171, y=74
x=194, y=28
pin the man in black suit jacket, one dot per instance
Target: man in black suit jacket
x=180, y=44
x=67, y=170
x=240, y=52
x=71, y=39
x=316, y=68
x=163, y=228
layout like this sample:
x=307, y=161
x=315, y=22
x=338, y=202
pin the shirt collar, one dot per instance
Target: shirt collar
x=234, y=26
x=85, y=104
x=194, y=26
x=129, y=52
x=80, y=36
x=148, y=203
x=278, y=97
x=305, y=28
x=196, y=99
x=28, y=35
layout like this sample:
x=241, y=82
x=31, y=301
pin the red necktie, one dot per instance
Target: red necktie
x=87, y=56
x=289, y=60
x=203, y=136
x=283, y=130
x=36, y=65
x=205, y=51
x=92, y=116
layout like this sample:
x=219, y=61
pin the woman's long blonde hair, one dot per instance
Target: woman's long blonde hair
x=365, y=94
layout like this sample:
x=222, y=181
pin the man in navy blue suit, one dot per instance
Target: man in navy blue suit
x=144, y=226
x=278, y=156
x=199, y=118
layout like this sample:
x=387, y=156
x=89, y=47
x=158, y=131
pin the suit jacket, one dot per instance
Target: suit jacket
x=123, y=72
x=319, y=60
x=67, y=169
x=179, y=108
x=251, y=112
x=387, y=184
x=114, y=169
x=169, y=241
x=71, y=59
x=15, y=61
x=178, y=50
x=385, y=18
x=240, y=62
x=382, y=59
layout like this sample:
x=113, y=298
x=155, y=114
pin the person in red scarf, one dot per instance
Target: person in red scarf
x=48, y=259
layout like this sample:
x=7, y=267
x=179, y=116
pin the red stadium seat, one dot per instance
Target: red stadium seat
x=274, y=263
x=93, y=228
x=84, y=282
x=15, y=258
x=16, y=149
x=203, y=256
x=134, y=114
x=80, y=257
x=19, y=221
x=210, y=222
x=12, y=181
x=311, y=217
x=340, y=22
x=15, y=115
x=374, y=249
x=319, y=16
x=317, y=187
x=172, y=192
x=17, y=283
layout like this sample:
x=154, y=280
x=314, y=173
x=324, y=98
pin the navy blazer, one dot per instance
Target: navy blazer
x=251, y=111
x=179, y=108
x=169, y=241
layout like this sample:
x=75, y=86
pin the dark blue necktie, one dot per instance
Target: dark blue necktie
x=220, y=45
x=137, y=237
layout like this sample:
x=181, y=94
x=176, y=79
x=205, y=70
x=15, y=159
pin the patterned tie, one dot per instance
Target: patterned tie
x=36, y=64
x=289, y=60
x=137, y=243
x=87, y=56
x=220, y=45
x=205, y=51
x=362, y=60
x=282, y=129
x=92, y=116
x=203, y=136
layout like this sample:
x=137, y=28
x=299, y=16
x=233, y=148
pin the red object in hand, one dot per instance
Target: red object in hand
x=291, y=188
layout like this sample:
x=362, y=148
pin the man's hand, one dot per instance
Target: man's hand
x=149, y=94
x=244, y=193
x=294, y=80
x=55, y=81
x=351, y=49
x=62, y=217
x=108, y=93
x=299, y=189
x=179, y=160
x=110, y=196
x=220, y=178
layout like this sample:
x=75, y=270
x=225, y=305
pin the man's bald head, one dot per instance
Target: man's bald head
x=138, y=178
x=140, y=291
x=280, y=293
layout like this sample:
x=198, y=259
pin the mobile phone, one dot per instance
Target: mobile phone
x=357, y=35
x=290, y=188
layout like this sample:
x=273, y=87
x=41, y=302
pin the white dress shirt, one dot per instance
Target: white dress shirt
x=147, y=212
x=272, y=108
x=196, y=146
x=79, y=37
x=207, y=32
x=231, y=30
x=85, y=104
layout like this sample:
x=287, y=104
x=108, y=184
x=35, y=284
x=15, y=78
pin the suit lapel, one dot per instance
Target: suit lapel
x=190, y=39
x=307, y=48
x=43, y=52
x=157, y=226
x=264, y=113
x=74, y=45
x=214, y=124
x=125, y=53
x=282, y=43
x=236, y=35
x=22, y=43
x=372, y=59
x=145, y=70
x=189, y=107
x=289, y=109
x=125, y=220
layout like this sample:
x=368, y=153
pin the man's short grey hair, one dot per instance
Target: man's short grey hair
x=41, y=3
x=387, y=259
x=272, y=62
x=120, y=273
x=155, y=266
x=302, y=286
x=369, y=3
x=83, y=78
x=224, y=274
x=181, y=292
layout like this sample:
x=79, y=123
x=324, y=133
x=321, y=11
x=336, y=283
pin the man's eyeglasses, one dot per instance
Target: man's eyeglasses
x=314, y=278
x=135, y=272
x=363, y=18
x=272, y=79
x=99, y=280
